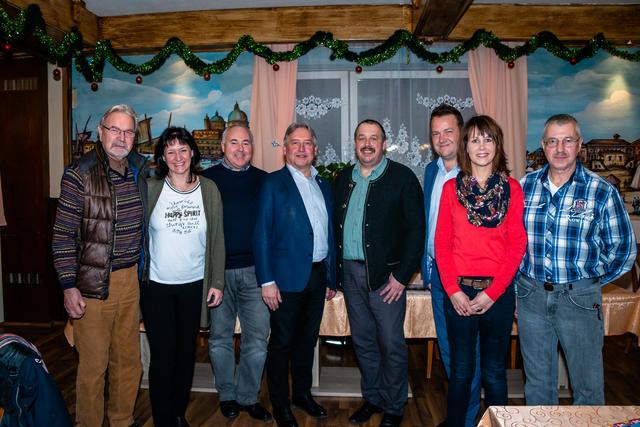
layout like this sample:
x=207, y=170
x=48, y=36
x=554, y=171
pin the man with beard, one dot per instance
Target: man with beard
x=96, y=245
x=380, y=236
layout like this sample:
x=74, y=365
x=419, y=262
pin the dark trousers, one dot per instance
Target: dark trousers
x=377, y=331
x=493, y=330
x=294, y=333
x=171, y=316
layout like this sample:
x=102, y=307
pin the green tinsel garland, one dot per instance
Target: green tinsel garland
x=28, y=29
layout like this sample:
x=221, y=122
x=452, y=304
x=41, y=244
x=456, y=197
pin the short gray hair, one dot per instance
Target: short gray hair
x=561, y=120
x=228, y=129
x=121, y=108
x=299, y=125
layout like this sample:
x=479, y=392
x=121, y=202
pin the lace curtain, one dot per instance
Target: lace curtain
x=400, y=93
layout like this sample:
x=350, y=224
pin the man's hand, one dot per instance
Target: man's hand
x=271, y=296
x=392, y=291
x=461, y=304
x=74, y=303
x=329, y=294
x=481, y=303
x=214, y=297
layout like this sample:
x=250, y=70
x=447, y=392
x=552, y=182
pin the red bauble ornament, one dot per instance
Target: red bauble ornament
x=56, y=74
x=573, y=60
x=7, y=47
x=207, y=76
x=358, y=69
x=276, y=67
x=511, y=64
x=439, y=68
x=139, y=79
x=94, y=86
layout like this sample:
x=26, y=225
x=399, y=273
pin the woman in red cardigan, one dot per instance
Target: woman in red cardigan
x=480, y=240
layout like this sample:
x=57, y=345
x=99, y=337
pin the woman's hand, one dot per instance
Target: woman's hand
x=481, y=303
x=214, y=297
x=460, y=302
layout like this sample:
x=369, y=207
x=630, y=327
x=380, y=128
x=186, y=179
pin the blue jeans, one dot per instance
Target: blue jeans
x=571, y=317
x=493, y=330
x=437, y=300
x=242, y=298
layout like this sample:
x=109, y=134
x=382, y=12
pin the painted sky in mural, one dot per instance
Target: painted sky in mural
x=174, y=89
x=603, y=93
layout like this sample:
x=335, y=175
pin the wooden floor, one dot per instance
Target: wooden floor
x=427, y=408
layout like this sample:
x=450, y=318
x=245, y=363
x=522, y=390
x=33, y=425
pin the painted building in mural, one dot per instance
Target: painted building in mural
x=208, y=139
x=615, y=159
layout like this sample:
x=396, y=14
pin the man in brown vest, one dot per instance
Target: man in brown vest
x=97, y=239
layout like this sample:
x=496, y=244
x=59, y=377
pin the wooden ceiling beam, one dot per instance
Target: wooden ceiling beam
x=437, y=18
x=619, y=23
x=62, y=15
x=220, y=28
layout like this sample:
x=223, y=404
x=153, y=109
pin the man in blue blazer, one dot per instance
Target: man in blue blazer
x=295, y=266
x=446, y=125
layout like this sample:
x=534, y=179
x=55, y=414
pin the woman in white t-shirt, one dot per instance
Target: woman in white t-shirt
x=183, y=270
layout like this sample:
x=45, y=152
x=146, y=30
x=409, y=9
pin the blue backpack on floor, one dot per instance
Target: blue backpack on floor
x=28, y=394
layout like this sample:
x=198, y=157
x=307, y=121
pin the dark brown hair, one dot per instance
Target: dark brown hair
x=370, y=122
x=446, y=110
x=183, y=137
x=484, y=125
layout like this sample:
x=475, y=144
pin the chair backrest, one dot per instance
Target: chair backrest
x=635, y=272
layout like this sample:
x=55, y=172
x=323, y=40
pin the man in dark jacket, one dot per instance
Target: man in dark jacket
x=379, y=218
x=97, y=239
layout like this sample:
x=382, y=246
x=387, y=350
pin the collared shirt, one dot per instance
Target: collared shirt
x=441, y=177
x=353, y=248
x=316, y=209
x=228, y=166
x=583, y=231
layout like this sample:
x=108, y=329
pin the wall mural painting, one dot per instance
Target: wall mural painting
x=173, y=95
x=603, y=94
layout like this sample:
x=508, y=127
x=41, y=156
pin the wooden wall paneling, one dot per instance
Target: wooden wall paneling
x=202, y=29
x=619, y=23
x=30, y=292
x=62, y=15
x=437, y=18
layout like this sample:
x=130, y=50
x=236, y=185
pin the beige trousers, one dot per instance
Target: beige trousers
x=107, y=340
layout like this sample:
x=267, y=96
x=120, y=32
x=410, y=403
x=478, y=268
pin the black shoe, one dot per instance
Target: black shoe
x=284, y=417
x=310, y=406
x=257, y=412
x=364, y=412
x=181, y=422
x=391, y=420
x=230, y=408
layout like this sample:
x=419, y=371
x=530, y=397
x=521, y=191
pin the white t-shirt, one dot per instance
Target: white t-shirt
x=177, y=236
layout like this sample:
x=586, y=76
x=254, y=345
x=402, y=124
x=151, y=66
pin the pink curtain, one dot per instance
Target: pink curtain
x=273, y=97
x=502, y=93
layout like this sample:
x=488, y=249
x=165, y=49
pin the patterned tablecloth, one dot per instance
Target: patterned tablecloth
x=620, y=310
x=540, y=416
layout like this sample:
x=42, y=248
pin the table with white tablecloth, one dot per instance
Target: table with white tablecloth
x=535, y=416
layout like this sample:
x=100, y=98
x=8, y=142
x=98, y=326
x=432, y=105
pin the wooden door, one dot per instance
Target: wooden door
x=30, y=291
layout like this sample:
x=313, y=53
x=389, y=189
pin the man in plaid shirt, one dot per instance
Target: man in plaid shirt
x=579, y=238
